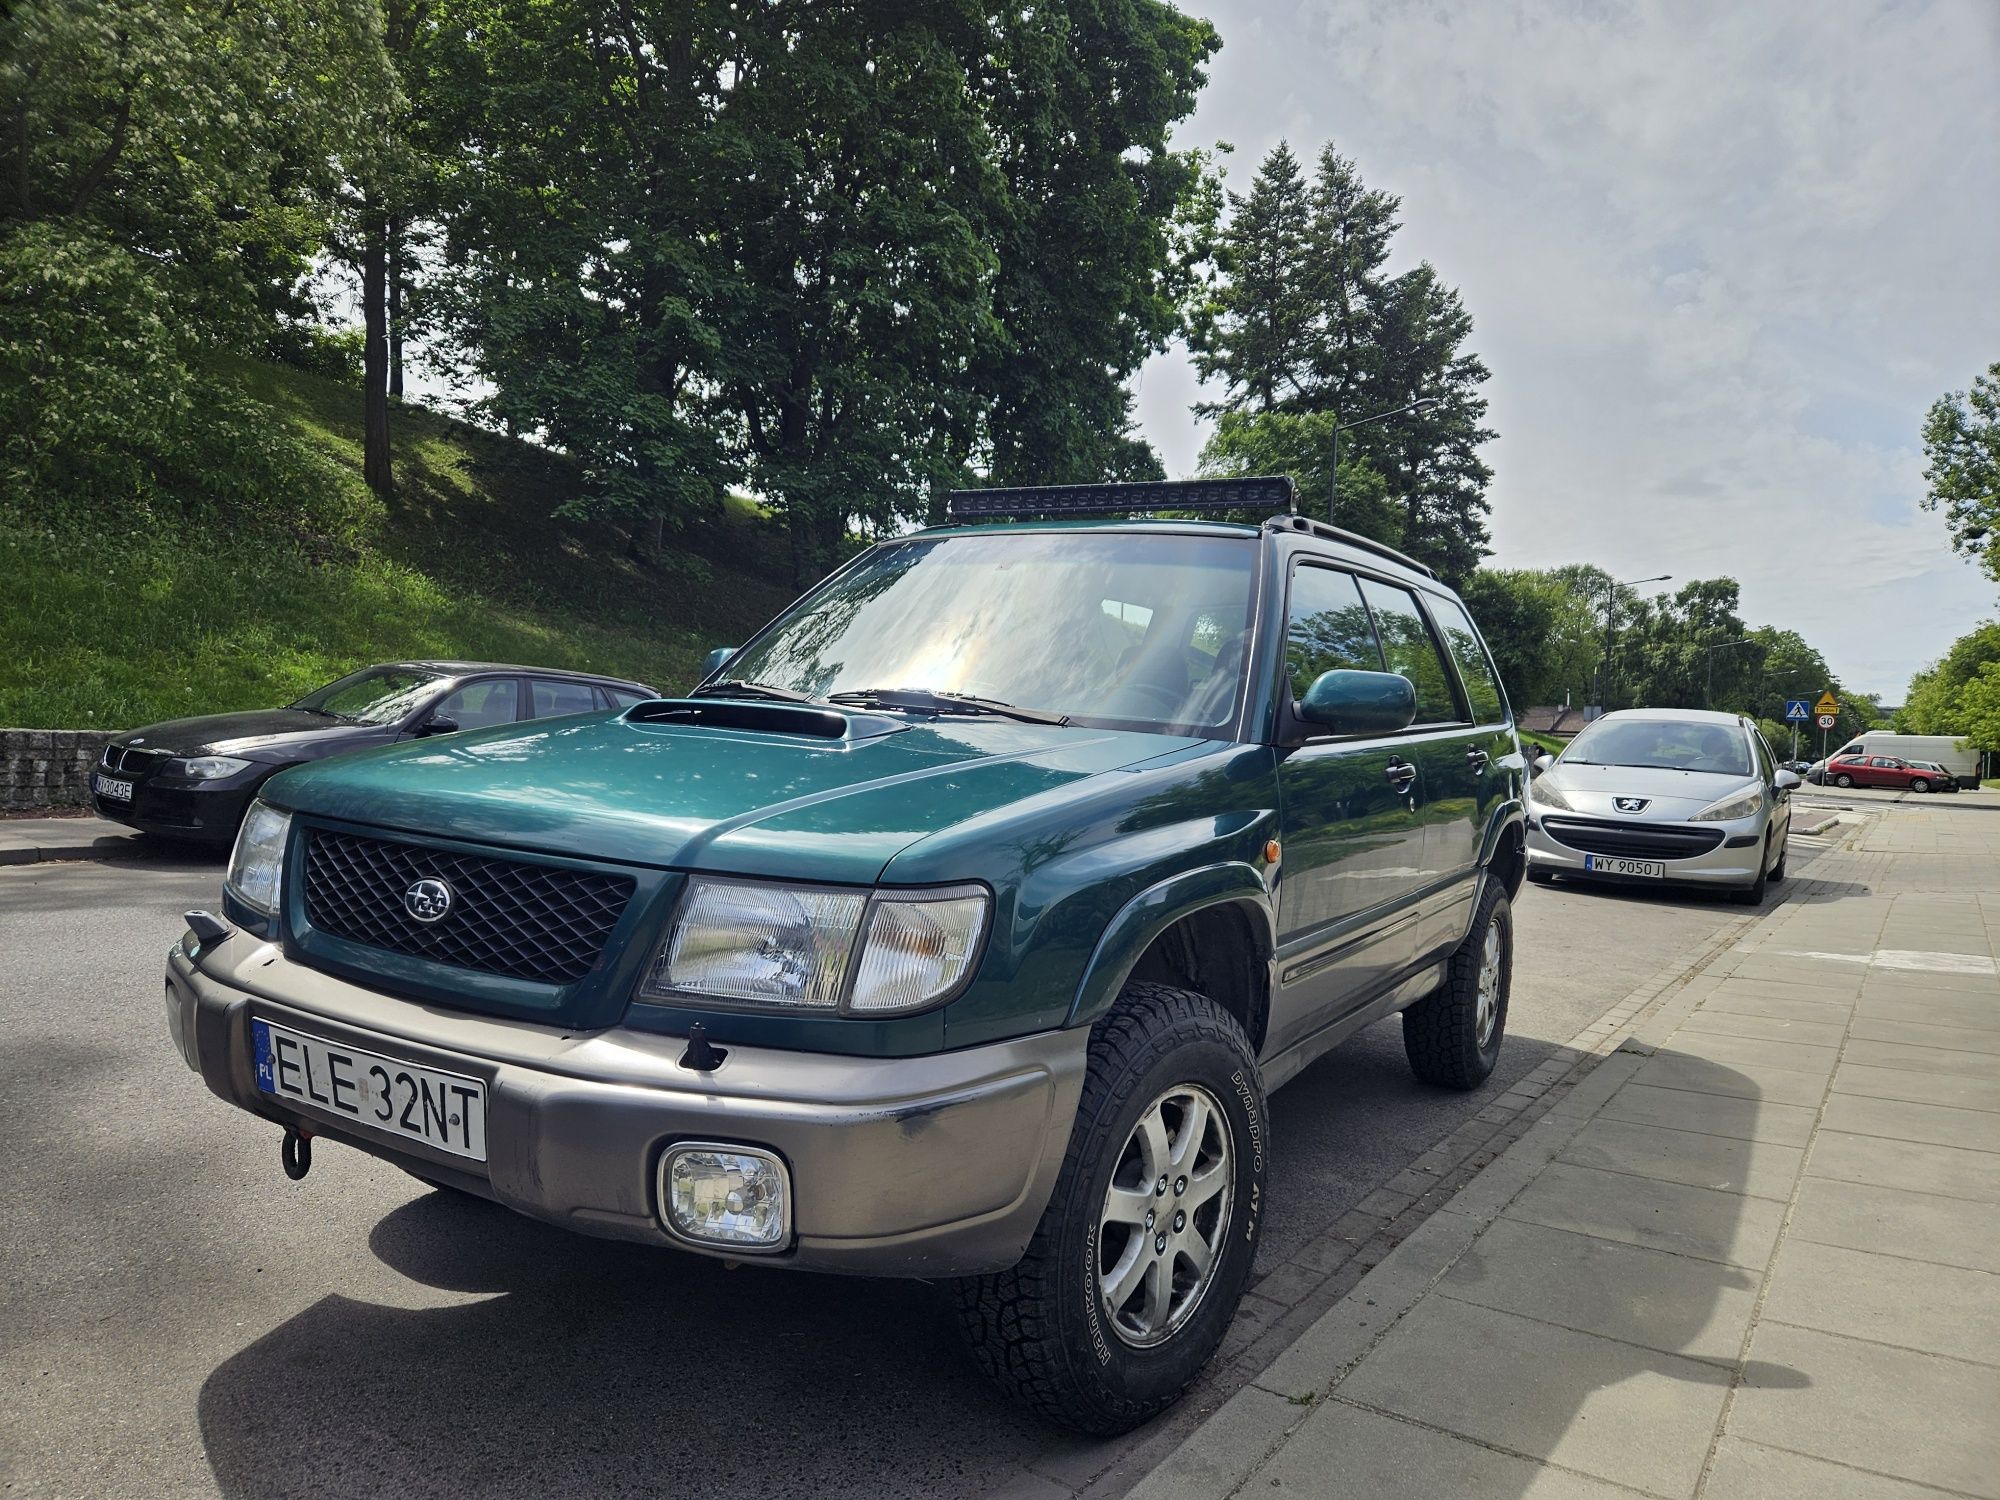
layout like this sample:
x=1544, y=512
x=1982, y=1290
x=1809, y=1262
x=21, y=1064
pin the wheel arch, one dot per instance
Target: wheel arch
x=1212, y=930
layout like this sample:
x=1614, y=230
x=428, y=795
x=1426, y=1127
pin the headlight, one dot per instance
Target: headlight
x=795, y=946
x=1544, y=791
x=1739, y=805
x=256, y=865
x=204, y=767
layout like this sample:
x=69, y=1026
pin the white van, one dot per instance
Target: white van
x=1945, y=749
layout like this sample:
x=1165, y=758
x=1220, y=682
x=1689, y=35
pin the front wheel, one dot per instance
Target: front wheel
x=1753, y=893
x=1452, y=1036
x=1142, y=1255
x=1920, y=785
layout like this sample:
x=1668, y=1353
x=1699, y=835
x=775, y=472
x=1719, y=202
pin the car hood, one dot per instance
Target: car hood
x=1669, y=795
x=697, y=797
x=257, y=734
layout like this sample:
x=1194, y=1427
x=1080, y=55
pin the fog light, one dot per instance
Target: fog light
x=725, y=1195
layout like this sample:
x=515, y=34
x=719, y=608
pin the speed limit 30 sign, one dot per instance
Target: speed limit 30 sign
x=1827, y=721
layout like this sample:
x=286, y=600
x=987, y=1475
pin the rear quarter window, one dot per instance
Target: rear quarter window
x=1468, y=654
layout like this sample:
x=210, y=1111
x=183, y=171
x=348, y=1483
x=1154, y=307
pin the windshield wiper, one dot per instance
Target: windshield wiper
x=738, y=687
x=923, y=699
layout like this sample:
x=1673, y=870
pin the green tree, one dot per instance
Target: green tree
x=1261, y=321
x=1303, y=319
x=1979, y=709
x=1097, y=236
x=1935, y=703
x=167, y=174
x=1962, y=453
x=1540, y=631
x=1301, y=444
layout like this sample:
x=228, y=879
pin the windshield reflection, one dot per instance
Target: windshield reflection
x=374, y=695
x=1149, y=629
x=1662, y=745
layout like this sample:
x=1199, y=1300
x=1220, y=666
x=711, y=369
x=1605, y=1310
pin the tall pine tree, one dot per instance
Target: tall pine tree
x=1307, y=331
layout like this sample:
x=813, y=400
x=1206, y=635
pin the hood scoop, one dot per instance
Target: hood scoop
x=757, y=716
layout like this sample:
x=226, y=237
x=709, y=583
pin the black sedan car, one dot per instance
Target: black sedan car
x=195, y=778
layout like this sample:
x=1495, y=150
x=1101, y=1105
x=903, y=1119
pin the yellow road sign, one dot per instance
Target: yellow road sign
x=1828, y=704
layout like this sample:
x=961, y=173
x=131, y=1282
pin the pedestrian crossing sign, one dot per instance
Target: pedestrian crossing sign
x=1797, y=711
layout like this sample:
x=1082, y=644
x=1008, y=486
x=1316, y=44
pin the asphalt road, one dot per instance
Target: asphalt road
x=177, y=1318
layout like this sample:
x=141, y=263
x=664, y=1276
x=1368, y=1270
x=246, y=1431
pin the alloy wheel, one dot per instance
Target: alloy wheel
x=1165, y=1216
x=1488, y=1015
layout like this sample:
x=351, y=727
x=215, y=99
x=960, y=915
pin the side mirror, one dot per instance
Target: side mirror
x=1360, y=702
x=1786, y=780
x=716, y=661
x=437, y=724
x=1540, y=762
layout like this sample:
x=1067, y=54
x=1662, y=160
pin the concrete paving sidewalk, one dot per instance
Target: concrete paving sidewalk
x=26, y=840
x=1756, y=1252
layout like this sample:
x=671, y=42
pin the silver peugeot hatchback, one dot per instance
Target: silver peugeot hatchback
x=1658, y=795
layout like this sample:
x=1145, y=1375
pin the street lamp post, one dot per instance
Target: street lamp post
x=1333, y=482
x=1708, y=653
x=1611, y=588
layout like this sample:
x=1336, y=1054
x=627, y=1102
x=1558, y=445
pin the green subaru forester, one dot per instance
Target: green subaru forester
x=956, y=926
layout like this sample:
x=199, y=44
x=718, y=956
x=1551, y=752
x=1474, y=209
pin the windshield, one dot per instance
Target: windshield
x=374, y=695
x=1140, y=628
x=1663, y=744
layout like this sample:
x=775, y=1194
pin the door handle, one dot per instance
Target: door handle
x=1476, y=758
x=1399, y=774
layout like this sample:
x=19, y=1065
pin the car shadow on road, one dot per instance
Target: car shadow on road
x=552, y=1363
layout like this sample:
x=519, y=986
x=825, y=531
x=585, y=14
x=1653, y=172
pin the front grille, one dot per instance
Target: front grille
x=1633, y=840
x=133, y=762
x=507, y=916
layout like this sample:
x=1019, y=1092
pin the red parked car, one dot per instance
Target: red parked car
x=1880, y=770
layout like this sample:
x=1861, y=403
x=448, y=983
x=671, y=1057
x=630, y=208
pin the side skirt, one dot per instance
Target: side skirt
x=1288, y=1064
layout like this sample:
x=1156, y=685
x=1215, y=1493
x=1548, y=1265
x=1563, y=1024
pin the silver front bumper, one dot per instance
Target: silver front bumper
x=922, y=1166
x=1721, y=865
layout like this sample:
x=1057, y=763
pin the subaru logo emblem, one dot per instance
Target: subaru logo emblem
x=1630, y=804
x=427, y=900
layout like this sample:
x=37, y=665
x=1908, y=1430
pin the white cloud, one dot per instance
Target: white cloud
x=1720, y=257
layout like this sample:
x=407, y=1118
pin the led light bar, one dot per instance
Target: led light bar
x=1124, y=499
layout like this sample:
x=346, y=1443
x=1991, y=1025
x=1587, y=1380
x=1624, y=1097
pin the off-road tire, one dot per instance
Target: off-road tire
x=1037, y=1328
x=1441, y=1031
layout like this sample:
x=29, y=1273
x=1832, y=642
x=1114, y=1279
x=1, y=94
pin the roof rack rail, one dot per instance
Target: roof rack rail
x=1123, y=499
x=1353, y=539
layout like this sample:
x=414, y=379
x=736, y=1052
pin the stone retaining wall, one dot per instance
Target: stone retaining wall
x=48, y=767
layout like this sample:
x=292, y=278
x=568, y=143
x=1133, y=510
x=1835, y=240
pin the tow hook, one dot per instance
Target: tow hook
x=296, y=1154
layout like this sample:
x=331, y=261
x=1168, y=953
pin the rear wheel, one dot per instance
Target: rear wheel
x=1142, y=1255
x=1843, y=781
x=1452, y=1036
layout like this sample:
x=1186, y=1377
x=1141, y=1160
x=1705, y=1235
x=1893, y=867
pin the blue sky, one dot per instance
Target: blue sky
x=1720, y=258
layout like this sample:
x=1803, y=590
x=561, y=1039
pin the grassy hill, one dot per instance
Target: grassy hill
x=114, y=621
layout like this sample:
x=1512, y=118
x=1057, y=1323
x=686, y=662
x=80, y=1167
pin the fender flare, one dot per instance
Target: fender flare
x=1142, y=919
x=1509, y=814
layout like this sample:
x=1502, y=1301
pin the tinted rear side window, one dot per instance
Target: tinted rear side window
x=1328, y=629
x=1475, y=668
x=551, y=698
x=1410, y=651
x=480, y=705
